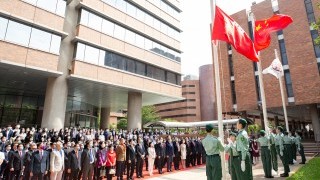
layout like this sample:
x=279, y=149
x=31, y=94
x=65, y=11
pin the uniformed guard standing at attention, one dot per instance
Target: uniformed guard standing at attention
x=234, y=158
x=280, y=150
x=300, y=147
x=287, y=141
x=213, y=147
x=274, y=157
x=293, y=147
x=265, y=154
x=242, y=144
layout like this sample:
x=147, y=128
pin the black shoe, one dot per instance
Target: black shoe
x=269, y=177
x=284, y=175
x=302, y=163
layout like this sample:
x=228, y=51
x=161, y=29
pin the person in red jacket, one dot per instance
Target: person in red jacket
x=111, y=162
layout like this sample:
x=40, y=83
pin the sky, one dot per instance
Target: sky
x=195, y=38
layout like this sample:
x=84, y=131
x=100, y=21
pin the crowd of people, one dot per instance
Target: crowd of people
x=81, y=153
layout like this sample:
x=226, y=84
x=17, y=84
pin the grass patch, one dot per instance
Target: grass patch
x=309, y=171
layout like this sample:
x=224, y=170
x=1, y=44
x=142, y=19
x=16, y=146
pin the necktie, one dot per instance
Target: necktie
x=91, y=157
x=77, y=154
x=20, y=153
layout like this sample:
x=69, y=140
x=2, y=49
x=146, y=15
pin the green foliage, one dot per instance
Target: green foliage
x=254, y=128
x=149, y=114
x=308, y=171
x=113, y=125
x=316, y=26
x=122, y=124
x=169, y=120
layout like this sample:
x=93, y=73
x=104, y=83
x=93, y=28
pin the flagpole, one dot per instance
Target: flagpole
x=262, y=93
x=282, y=96
x=218, y=90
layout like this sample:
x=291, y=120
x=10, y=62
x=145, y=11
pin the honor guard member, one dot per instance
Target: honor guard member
x=242, y=144
x=265, y=154
x=287, y=141
x=280, y=151
x=274, y=157
x=293, y=147
x=213, y=147
x=300, y=147
x=234, y=158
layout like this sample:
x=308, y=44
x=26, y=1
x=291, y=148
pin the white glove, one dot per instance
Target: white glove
x=243, y=166
x=229, y=141
x=281, y=153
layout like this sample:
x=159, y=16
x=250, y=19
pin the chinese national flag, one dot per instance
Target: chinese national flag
x=226, y=29
x=263, y=28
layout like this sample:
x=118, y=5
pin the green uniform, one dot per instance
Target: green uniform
x=280, y=148
x=265, y=155
x=287, y=143
x=293, y=147
x=234, y=161
x=213, y=147
x=273, y=152
x=300, y=148
x=242, y=144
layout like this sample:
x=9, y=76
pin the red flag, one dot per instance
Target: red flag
x=263, y=28
x=226, y=29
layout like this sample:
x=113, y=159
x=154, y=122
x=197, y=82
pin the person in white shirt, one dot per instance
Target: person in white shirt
x=57, y=162
x=151, y=158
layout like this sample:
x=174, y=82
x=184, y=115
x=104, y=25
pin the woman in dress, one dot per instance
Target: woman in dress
x=111, y=162
x=255, y=150
x=151, y=158
x=101, y=159
x=183, y=153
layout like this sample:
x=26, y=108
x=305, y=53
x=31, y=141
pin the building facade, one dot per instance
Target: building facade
x=62, y=63
x=301, y=62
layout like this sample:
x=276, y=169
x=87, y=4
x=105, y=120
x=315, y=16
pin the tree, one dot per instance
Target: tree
x=149, y=114
x=316, y=26
x=122, y=124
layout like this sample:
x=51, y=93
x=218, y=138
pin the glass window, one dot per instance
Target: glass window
x=48, y=5
x=95, y=22
x=80, y=51
x=140, y=41
x=140, y=15
x=31, y=1
x=149, y=20
x=108, y=61
x=171, y=77
x=131, y=67
x=119, y=32
x=164, y=28
x=110, y=2
x=3, y=27
x=140, y=68
x=156, y=24
x=84, y=17
x=30, y=102
x=102, y=55
x=107, y=27
x=121, y=5
x=91, y=55
x=40, y=40
x=130, y=37
x=151, y=71
x=178, y=79
x=18, y=33
x=61, y=7
x=131, y=10
x=160, y=74
x=148, y=44
x=55, y=44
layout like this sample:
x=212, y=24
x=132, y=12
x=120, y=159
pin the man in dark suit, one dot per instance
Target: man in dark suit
x=8, y=132
x=131, y=159
x=17, y=163
x=4, y=173
x=88, y=159
x=27, y=162
x=3, y=143
x=160, y=152
x=193, y=152
x=74, y=163
x=198, y=151
x=39, y=165
x=177, y=154
x=169, y=154
x=189, y=153
x=141, y=152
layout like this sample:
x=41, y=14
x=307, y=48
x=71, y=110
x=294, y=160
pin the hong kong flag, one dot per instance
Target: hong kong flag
x=264, y=27
x=226, y=29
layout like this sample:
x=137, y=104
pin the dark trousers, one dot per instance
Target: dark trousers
x=109, y=176
x=88, y=172
x=37, y=176
x=15, y=174
x=285, y=160
x=294, y=151
x=301, y=152
x=213, y=167
x=176, y=161
x=266, y=161
x=198, y=158
x=160, y=163
x=130, y=169
x=119, y=169
x=188, y=160
x=169, y=163
x=146, y=163
x=204, y=158
x=139, y=166
x=193, y=159
x=74, y=174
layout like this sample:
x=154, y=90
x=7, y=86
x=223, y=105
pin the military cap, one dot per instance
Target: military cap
x=243, y=122
x=209, y=127
x=262, y=132
x=280, y=128
x=233, y=134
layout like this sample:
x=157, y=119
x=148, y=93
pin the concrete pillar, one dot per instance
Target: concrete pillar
x=276, y=121
x=315, y=117
x=57, y=88
x=104, y=118
x=134, y=110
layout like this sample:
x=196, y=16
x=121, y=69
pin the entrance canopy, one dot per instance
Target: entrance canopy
x=228, y=123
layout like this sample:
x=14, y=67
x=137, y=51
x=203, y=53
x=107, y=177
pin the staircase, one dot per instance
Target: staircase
x=311, y=147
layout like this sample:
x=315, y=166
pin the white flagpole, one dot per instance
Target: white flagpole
x=262, y=94
x=282, y=96
x=218, y=90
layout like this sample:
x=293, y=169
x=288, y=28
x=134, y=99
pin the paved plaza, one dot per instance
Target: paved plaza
x=199, y=173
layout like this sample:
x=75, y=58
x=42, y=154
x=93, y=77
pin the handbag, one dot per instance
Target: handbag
x=102, y=171
x=112, y=170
